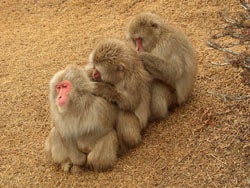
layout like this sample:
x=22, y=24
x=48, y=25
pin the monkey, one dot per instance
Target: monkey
x=83, y=124
x=121, y=79
x=169, y=57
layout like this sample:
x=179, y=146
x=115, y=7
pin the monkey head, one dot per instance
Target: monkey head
x=66, y=87
x=144, y=30
x=108, y=62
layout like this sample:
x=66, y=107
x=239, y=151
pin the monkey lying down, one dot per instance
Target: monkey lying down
x=83, y=131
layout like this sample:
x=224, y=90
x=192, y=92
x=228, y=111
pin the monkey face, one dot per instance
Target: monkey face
x=62, y=89
x=108, y=73
x=144, y=30
x=63, y=94
x=65, y=87
x=107, y=62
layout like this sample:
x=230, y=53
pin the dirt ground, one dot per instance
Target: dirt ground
x=204, y=143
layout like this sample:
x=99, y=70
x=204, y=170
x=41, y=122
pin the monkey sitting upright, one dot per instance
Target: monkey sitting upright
x=123, y=81
x=83, y=131
x=168, y=56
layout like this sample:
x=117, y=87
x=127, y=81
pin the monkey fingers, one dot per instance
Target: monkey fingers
x=104, y=90
x=110, y=93
x=78, y=158
x=89, y=73
x=153, y=65
x=75, y=169
x=66, y=166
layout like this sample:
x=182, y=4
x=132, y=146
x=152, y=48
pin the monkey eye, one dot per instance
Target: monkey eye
x=154, y=25
x=64, y=86
x=58, y=87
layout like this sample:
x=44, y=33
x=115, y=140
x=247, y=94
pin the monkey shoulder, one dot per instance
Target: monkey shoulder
x=103, y=112
x=103, y=106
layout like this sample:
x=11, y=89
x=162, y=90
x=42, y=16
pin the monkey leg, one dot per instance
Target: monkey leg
x=54, y=147
x=104, y=153
x=76, y=156
x=75, y=169
x=128, y=130
x=162, y=99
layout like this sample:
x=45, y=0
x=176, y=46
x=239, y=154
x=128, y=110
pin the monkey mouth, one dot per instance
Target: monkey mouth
x=61, y=101
x=138, y=44
x=97, y=76
x=61, y=109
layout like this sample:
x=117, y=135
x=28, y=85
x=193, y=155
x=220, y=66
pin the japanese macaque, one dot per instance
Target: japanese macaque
x=122, y=80
x=168, y=56
x=83, y=132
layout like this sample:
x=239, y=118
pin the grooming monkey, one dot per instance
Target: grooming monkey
x=83, y=131
x=121, y=79
x=168, y=56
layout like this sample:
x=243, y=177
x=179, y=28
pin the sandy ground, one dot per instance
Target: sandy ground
x=204, y=143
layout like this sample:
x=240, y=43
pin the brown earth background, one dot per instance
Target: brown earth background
x=204, y=143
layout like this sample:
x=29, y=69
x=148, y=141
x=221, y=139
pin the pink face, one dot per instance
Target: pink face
x=62, y=89
x=138, y=44
x=96, y=74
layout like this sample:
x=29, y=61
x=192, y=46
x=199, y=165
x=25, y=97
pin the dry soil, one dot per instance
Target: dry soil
x=204, y=143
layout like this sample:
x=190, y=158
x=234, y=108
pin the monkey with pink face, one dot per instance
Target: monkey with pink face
x=83, y=124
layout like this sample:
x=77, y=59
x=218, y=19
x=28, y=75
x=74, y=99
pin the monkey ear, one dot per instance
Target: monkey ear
x=120, y=67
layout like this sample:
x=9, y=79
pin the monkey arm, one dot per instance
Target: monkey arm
x=89, y=73
x=111, y=94
x=167, y=72
x=76, y=157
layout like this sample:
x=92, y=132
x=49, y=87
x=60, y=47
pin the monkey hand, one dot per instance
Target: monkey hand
x=154, y=65
x=146, y=59
x=104, y=90
x=89, y=74
x=109, y=92
x=78, y=159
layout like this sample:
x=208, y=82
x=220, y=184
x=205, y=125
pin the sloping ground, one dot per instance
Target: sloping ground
x=204, y=143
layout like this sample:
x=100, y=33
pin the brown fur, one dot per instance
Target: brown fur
x=83, y=131
x=169, y=57
x=125, y=83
